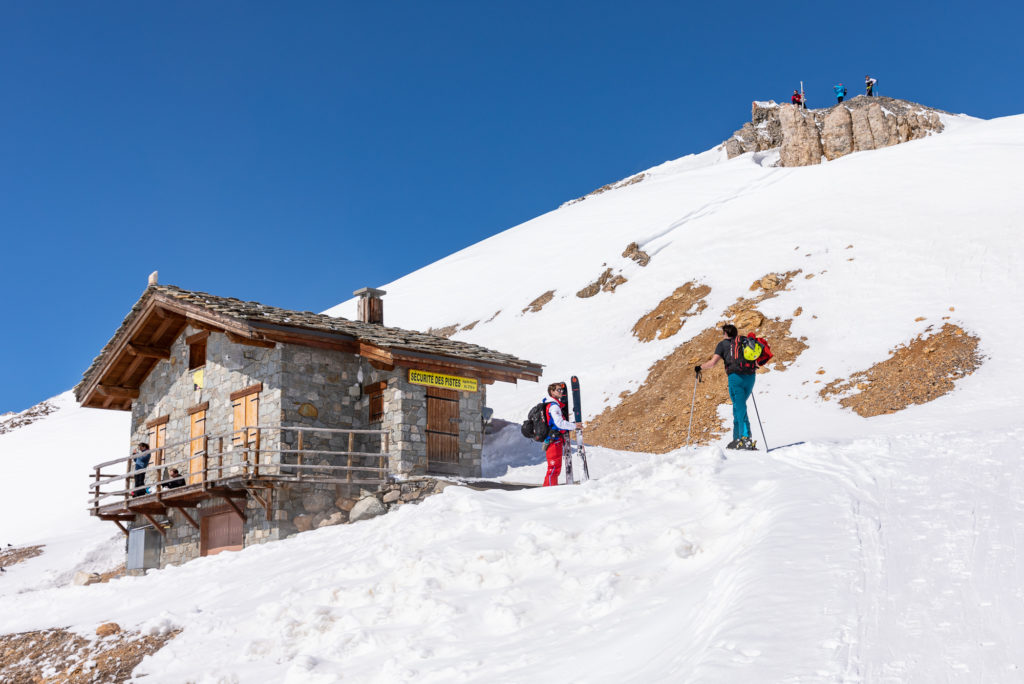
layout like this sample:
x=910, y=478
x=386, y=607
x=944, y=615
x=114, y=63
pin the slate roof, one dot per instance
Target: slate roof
x=371, y=333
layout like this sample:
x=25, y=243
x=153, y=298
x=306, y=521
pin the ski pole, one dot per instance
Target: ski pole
x=758, y=414
x=697, y=378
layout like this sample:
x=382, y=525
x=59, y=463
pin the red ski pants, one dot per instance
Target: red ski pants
x=554, y=455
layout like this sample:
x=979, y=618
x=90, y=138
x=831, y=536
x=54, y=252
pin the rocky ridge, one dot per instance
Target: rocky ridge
x=804, y=136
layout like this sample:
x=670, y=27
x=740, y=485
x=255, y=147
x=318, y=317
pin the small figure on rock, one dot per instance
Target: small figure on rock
x=559, y=427
x=739, y=370
x=840, y=92
x=869, y=85
x=797, y=99
x=140, y=460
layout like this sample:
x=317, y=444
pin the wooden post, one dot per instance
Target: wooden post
x=220, y=458
x=96, y=494
x=351, y=448
x=298, y=457
x=206, y=458
x=158, y=457
x=256, y=457
x=128, y=482
x=384, y=455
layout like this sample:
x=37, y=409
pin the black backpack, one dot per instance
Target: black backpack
x=535, y=426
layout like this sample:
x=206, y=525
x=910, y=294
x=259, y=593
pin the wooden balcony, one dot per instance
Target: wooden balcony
x=251, y=461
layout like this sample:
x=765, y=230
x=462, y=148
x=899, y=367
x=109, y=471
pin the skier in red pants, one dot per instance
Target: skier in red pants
x=559, y=429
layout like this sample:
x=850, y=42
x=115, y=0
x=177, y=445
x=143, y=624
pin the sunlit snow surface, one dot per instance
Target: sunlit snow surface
x=877, y=550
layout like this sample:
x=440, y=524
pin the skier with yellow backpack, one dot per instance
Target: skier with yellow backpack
x=742, y=357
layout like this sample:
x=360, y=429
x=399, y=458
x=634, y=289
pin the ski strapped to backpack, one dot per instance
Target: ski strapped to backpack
x=749, y=353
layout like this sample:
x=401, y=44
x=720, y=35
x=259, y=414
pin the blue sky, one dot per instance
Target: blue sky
x=291, y=153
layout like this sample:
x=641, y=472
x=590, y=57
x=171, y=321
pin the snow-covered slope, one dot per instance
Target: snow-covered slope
x=933, y=224
x=882, y=549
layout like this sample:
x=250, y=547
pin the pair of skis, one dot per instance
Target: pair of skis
x=577, y=411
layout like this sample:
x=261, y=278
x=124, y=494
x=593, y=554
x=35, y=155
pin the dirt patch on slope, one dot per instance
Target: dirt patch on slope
x=917, y=372
x=606, y=282
x=446, y=331
x=12, y=555
x=538, y=303
x=655, y=417
x=671, y=313
x=634, y=252
x=770, y=285
x=611, y=186
x=58, y=655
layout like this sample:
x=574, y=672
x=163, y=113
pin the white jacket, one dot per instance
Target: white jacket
x=555, y=419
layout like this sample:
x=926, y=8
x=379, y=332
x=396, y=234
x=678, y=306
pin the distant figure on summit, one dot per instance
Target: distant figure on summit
x=869, y=85
x=840, y=92
x=797, y=99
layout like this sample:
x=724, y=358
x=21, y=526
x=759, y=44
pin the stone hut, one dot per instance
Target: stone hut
x=276, y=421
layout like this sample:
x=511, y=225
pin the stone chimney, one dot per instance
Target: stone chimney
x=371, y=306
x=153, y=277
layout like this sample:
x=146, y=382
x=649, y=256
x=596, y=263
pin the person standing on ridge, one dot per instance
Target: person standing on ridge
x=741, y=384
x=559, y=427
x=869, y=85
x=840, y=92
x=796, y=99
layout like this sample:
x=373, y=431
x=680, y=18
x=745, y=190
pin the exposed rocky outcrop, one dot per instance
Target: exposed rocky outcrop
x=805, y=136
x=764, y=132
x=13, y=421
x=801, y=140
x=606, y=282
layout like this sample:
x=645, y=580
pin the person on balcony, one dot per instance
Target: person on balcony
x=140, y=459
x=178, y=480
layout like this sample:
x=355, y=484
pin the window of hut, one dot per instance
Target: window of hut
x=197, y=349
x=375, y=393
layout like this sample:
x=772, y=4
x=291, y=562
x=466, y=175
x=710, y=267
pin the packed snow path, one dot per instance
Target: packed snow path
x=882, y=560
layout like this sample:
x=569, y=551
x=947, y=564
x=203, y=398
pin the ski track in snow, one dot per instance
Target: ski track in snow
x=930, y=568
x=650, y=243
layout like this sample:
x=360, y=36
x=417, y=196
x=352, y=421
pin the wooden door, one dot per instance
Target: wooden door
x=220, y=532
x=196, y=447
x=442, y=425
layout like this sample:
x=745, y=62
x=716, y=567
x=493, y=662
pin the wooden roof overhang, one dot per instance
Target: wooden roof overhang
x=158, y=318
x=144, y=339
x=387, y=358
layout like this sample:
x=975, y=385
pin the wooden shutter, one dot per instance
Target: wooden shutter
x=252, y=418
x=245, y=411
x=442, y=425
x=375, y=393
x=220, y=532
x=238, y=421
x=197, y=445
x=246, y=414
x=157, y=438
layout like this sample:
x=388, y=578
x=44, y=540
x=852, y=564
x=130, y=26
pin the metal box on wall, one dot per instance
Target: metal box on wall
x=144, y=546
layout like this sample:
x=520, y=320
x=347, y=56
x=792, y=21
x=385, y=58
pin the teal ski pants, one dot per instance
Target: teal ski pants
x=740, y=388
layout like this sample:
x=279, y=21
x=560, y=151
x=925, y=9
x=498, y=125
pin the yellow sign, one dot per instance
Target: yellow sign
x=197, y=379
x=418, y=377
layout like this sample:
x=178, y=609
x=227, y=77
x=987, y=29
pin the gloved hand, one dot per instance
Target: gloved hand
x=696, y=369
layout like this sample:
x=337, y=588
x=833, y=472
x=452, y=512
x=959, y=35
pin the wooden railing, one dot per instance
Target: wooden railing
x=246, y=458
